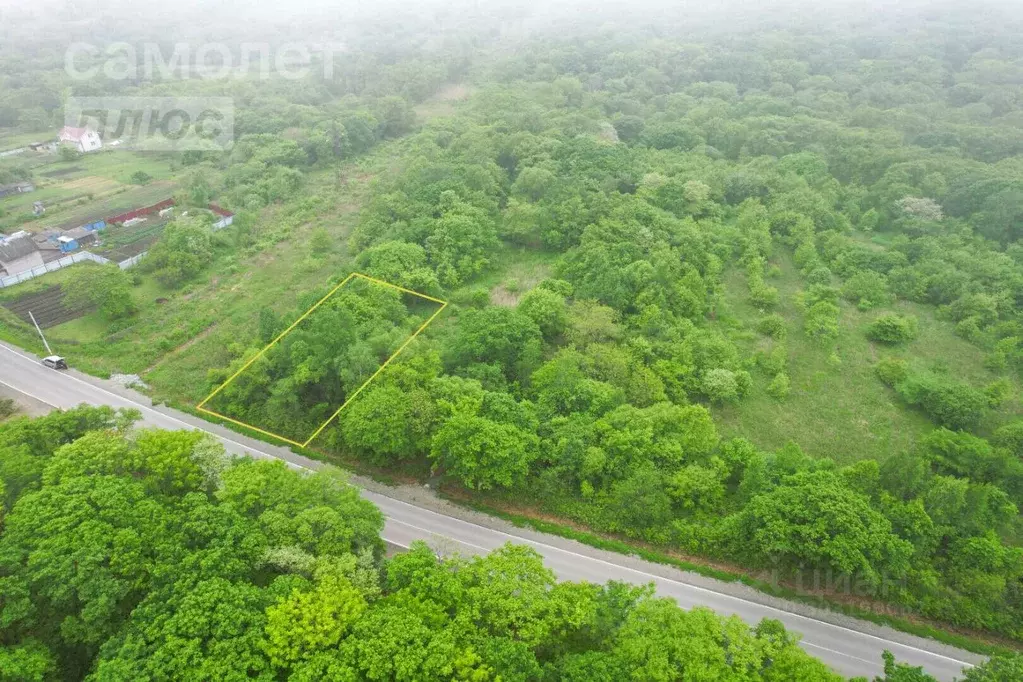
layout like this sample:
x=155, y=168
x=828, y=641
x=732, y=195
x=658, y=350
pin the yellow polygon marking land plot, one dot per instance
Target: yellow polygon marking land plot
x=356, y=392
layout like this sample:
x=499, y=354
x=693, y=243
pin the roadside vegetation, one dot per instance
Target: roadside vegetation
x=174, y=562
x=136, y=553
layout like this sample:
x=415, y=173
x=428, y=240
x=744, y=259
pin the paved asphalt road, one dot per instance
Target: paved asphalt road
x=853, y=648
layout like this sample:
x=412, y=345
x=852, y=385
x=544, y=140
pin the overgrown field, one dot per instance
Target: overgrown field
x=841, y=410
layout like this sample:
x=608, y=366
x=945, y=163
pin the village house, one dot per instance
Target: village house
x=19, y=253
x=224, y=217
x=83, y=139
x=46, y=242
x=74, y=238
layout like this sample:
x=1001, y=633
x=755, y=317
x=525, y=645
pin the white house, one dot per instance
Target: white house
x=19, y=253
x=84, y=139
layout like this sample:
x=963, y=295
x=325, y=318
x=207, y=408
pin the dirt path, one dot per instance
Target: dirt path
x=185, y=346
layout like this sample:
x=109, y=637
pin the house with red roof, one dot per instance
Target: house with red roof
x=224, y=217
x=83, y=139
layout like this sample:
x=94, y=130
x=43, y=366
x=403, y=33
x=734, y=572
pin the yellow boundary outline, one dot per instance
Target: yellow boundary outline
x=443, y=305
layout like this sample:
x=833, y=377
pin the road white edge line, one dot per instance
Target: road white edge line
x=434, y=533
x=654, y=577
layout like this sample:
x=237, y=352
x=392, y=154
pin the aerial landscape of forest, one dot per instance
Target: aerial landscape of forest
x=738, y=289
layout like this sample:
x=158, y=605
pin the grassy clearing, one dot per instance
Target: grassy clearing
x=444, y=103
x=114, y=164
x=75, y=202
x=13, y=140
x=840, y=411
x=87, y=329
x=513, y=271
x=119, y=165
x=51, y=193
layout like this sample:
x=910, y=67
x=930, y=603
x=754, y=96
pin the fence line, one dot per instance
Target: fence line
x=140, y=212
x=128, y=262
x=64, y=262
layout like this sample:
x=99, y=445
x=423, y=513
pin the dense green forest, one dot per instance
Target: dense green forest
x=322, y=362
x=750, y=296
x=130, y=554
x=141, y=554
x=648, y=177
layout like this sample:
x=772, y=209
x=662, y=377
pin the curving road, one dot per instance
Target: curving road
x=851, y=647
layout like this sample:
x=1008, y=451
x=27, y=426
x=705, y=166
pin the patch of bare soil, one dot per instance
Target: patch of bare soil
x=61, y=171
x=47, y=305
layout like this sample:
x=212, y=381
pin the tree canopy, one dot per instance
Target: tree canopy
x=132, y=553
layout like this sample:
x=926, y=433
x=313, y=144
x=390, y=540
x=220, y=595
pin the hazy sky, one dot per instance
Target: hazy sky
x=59, y=22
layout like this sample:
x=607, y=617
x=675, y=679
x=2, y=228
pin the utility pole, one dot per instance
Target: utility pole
x=40, y=332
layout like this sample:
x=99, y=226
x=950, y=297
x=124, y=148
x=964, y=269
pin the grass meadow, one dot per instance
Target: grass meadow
x=842, y=411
